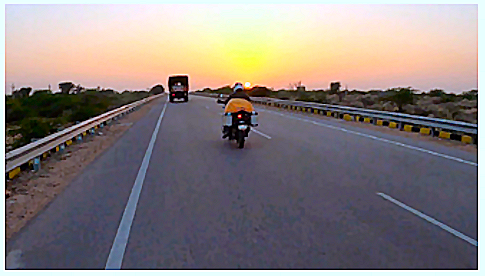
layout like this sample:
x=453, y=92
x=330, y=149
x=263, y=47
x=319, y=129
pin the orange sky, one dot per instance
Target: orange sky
x=138, y=46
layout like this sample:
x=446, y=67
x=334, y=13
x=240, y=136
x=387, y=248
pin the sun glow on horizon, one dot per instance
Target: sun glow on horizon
x=128, y=47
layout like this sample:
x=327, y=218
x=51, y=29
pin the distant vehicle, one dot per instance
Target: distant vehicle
x=178, y=87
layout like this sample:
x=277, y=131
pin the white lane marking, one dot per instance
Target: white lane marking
x=430, y=219
x=380, y=139
x=262, y=134
x=117, y=252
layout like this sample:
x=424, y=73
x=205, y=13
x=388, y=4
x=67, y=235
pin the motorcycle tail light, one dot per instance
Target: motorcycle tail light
x=239, y=116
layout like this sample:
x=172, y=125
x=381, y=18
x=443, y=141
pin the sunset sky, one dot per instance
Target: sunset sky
x=138, y=46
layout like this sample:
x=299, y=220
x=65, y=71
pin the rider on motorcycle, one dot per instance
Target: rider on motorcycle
x=239, y=93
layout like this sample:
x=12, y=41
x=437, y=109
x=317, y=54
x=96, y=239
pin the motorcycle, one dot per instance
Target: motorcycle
x=238, y=118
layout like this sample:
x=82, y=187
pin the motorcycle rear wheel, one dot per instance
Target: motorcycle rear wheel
x=240, y=140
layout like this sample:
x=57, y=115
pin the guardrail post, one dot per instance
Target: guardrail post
x=36, y=165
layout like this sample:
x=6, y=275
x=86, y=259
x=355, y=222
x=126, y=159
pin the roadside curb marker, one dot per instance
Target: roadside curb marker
x=408, y=128
x=466, y=139
x=444, y=135
x=425, y=131
x=13, y=173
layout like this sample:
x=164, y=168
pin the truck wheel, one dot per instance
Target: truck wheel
x=186, y=99
x=171, y=100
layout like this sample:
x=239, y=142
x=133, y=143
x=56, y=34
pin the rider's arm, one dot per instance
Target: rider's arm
x=228, y=99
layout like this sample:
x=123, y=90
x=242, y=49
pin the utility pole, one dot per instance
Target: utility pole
x=49, y=87
x=13, y=87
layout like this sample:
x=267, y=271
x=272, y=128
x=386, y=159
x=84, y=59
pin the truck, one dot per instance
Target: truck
x=178, y=87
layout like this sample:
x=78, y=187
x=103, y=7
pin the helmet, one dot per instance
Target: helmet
x=238, y=86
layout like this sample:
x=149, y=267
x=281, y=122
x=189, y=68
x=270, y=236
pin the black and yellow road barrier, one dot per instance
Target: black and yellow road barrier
x=467, y=139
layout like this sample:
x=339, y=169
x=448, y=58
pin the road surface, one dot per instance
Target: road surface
x=303, y=193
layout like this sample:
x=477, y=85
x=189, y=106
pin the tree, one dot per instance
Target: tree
x=223, y=90
x=157, y=89
x=24, y=92
x=295, y=85
x=66, y=87
x=259, y=91
x=335, y=86
x=436, y=93
x=41, y=92
x=444, y=97
x=401, y=96
x=335, y=89
x=78, y=89
x=107, y=91
x=470, y=95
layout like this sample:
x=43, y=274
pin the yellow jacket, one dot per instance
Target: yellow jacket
x=237, y=104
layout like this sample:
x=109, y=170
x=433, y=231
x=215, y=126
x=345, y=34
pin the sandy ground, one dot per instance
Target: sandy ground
x=450, y=143
x=30, y=192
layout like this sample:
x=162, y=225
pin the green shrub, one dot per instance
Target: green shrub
x=33, y=128
x=400, y=96
x=470, y=95
x=44, y=113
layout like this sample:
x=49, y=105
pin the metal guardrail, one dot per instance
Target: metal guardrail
x=438, y=123
x=23, y=155
x=400, y=118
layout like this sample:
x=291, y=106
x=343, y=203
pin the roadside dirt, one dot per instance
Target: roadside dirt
x=30, y=192
x=384, y=129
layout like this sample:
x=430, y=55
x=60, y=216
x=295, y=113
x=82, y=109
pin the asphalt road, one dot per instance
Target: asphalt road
x=303, y=193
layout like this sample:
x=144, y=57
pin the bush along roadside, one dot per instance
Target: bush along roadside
x=44, y=113
x=435, y=103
